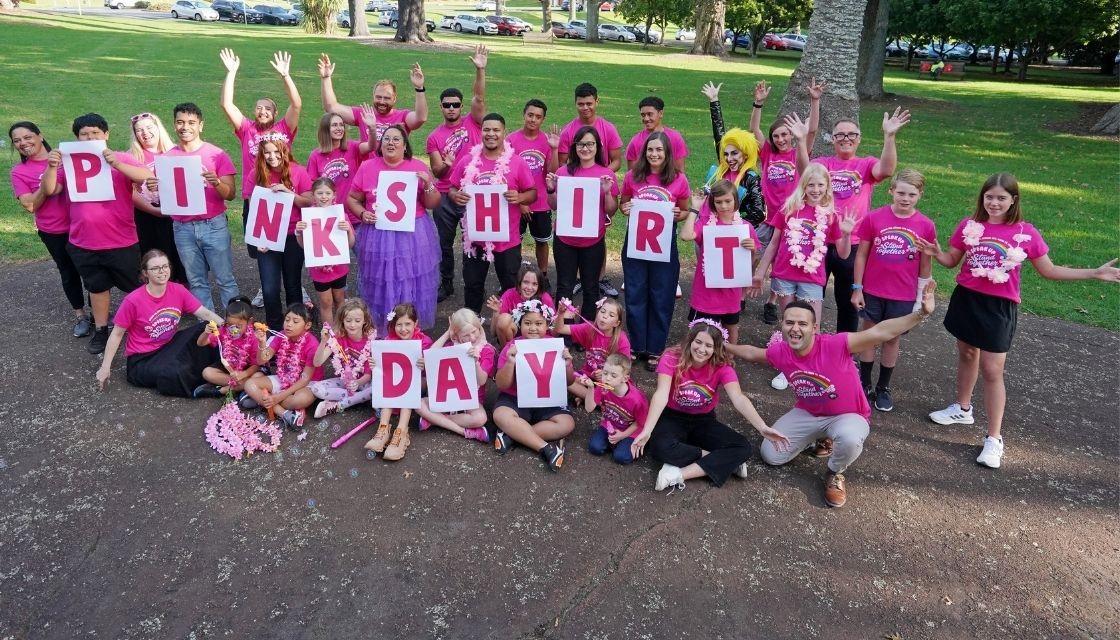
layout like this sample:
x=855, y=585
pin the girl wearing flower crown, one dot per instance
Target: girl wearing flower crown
x=600, y=338
x=681, y=426
x=347, y=347
x=294, y=368
x=465, y=327
x=237, y=351
x=404, y=324
x=991, y=247
x=530, y=286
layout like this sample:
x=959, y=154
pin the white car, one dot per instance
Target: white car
x=121, y=4
x=486, y=5
x=380, y=5
x=474, y=24
x=794, y=41
x=615, y=32
x=193, y=10
x=521, y=24
x=448, y=22
x=686, y=34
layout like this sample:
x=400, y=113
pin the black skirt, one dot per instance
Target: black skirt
x=982, y=321
x=174, y=369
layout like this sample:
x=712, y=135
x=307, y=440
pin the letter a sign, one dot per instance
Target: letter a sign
x=452, y=379
x=324, y=244
x=396, y=200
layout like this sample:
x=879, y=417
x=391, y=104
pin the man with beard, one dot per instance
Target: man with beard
x=830, y=399
x=445, y=143
x=539, y=150
x=384, y=103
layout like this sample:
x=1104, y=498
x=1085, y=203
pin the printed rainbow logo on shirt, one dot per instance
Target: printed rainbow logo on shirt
x=257, y=140
x=812, y=386
x=533, y=158
x=455, y=141
x=162, y=321
x=615, y=418
x=654, y=192
x=336, y=169
x=845, y=183
x=989, y=253
x=693, y=394
x=781, y=171
x=896, y=244
x=485, y=177
x=808, y=228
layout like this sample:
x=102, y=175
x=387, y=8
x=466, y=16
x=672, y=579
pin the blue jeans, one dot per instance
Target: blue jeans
x=598, y=445
x=204, y=247
x=651, y=294
x=276, y=268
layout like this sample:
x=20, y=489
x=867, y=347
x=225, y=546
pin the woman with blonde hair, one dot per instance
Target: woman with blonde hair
x=154, y=230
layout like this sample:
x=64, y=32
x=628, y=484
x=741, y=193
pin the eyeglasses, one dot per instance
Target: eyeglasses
x=451, y=105
x=159, y=268
x=139, y=117
x=846, y=136
x=586, y=145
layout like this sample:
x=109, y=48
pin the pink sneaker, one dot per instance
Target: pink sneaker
x=478, y=433
x=425, y=425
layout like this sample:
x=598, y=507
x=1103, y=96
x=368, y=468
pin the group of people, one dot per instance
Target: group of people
x=804, y=219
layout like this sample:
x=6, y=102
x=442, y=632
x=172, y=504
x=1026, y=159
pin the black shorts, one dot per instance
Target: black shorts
x=982, y=321
x=878, y=309
x=323, y=287
x=108, y=268
x=539, y=225
x=725, y=319
x=532, y=415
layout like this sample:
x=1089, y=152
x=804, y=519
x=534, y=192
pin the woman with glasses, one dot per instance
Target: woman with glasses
x=158, y=356
x=155, y=231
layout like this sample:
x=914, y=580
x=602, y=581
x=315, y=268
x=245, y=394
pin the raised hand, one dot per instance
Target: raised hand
x=1107, y=272
x=929, y=300
x=761, y=91
x=230, y=60
x=282, y=62
x=797, y=127
x=711, y=90
x=54, y=158
x=550, y=180
x=480, y=57
x=369, y=116
x=416, y=76
x=605, y=181
x=815, y=89
x=893, y=122
x=930, y=248
x=326, y=67
x=494, y=304
x=848, y=221
x=553, y=136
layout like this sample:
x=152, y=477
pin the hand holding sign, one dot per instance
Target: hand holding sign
x=649, y=234
x=88, y=175
x=180, y=185
x=577, y=207
x=540, y=367
x=726, y=263
x=396, y=378
x=325, y=241
x=269, y=214
x=486, y=218
x=396, y=200
x=452, y=376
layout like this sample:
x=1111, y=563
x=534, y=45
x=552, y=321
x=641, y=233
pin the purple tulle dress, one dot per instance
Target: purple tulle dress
x=399, y=266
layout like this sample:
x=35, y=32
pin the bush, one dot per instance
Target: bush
x=154, y=5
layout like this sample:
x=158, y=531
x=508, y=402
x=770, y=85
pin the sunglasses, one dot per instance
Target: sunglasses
x=139, y=117
x=451, y=105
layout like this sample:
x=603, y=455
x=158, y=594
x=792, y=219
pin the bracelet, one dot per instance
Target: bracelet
x=420, y=90
x=756, y=105
x=691, y=210
x=856, y=287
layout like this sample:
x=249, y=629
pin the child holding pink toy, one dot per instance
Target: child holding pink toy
x=350, y=357
x=624, y=408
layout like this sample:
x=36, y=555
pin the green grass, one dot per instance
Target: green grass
x=54, y=68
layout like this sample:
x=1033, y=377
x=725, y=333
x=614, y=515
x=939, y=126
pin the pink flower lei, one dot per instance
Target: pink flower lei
x=794, y=235
x=231, y=432
x=470, y=174
x=347, y=368
x=233, y=356
x=973, y=231
x=289, y=363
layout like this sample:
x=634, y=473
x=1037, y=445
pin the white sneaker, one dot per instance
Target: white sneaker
x=326, y=407
x=992, y=453
x=258, y=300
x=679, y=293
x=953, y=414
x=306, y=298
x=669, y=476
x=779, y=382
x=741, y=470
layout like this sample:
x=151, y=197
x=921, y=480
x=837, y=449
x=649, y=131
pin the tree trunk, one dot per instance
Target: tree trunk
x=1108, y=62
x=1109, y=124
x=411, y=27
x=995, y=58
x=831, y=55
x=909, y=55
x=1024, y=62
x=709, y=28
x=572, y=10
x=499, y=8
x=873, y=51
x=546, y=16
x=6, y=5
x=359, y=28
x=649, y=24
x=592, y=20
x=1010, y=58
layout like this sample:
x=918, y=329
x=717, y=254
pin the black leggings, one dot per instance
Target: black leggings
x=174, y=369
x=843, y=273
x=680, y=438
x=588, y=261
x=71, y=279
x=475, y=268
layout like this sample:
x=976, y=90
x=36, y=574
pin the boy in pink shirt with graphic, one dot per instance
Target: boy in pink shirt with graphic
x=623, y=406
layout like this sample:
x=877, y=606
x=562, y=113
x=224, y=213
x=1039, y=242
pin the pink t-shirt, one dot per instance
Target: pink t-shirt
x=251, y=138
x=306, y=358
x=853, y=184
x=301, y=184
x=535, y=152
x=503, y=358
x=894, y=260
x=213, y=159
x=453, y=140
x=619, y=412
x=488, y=360
x=353, y=349
x=995, y=243
x=239, y=352
x=594, y=171
x=597, y=346
x=512, y=297
x=150, y=321
x=608, y=136
x=365, y=181
x=517, y=178
x=696, y=390
x=100, y=226
x=806, y=218
x=778, y=170
x=704, y=298
x=53, y=216
x=637, y=144
x=825, y=380
x=339, y=165
x=396, y=116
x=652, y=189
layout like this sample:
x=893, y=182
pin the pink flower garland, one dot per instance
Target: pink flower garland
x=347, y=369
x=794, y=235
x=233, y=433
x=289, y=362
x=973, y=231
x=470, y=174
x=234, y=356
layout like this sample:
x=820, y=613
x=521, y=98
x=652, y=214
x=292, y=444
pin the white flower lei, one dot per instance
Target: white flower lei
x=794, y=235
x=973, y=231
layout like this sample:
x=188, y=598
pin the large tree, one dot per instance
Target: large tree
x=872, y=50
x=740, y=17
x=319, y=15
x=831, y=54
x=709, y=27
x=592, y=20
x=546, y=16
x=411, y=27
x=359, y=27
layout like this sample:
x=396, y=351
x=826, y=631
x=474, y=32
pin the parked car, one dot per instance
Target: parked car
x=743, y=41
x=474, y=24
x=774, y=42
x=391, y=19
x=616, y=32
x=506, y=26
x=486, y=5
x=193, y=10
x=686, y=34
x=271, y=14
x=639, y=32
x=562, y=30
x=794, y=41
x=447, y=22
x=578, y=28
x=607, y=6
x=897, y=48
x=235, y=11
x=521, y=23
x=118, y=4
x=343, y=18
x=376, y=6
x=565, y=5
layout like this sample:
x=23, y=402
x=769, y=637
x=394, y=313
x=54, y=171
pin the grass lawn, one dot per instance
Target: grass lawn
x=56, y=67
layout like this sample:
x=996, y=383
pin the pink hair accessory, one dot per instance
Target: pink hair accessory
x=775, y=338
x=600, y=302
x=711, y=323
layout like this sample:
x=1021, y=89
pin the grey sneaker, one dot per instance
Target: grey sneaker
x=83, y=327
x=607, y=288
x=883, y=400
x=258, y=300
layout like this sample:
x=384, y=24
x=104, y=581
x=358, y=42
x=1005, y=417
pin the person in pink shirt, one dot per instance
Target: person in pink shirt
x=853, y=184
x=344, y=340
x=336, y=158
x=52, y=215
x=651, y=110
x=991, y=247
x=329, y=281
x=384, y=103
x=623, y=411
x=529, y=287
x=830, y=401
x=292, y=353
x=599, y=336
x=538, y=148
x=465, y=327
x=158, y=355
x=102, y=236
x=492, y=162
x=681, y=427
x=204, y=243
x=153, y=229
x=890, y=274
x=447, y=142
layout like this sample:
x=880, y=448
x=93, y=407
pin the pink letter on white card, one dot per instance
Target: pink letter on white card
x=650, y=232
x=270, y=213
x=452, y=379
x=577, y=207
x=541, y=373
x=88, y=176
x=396, y=376
x=486, y=218
x=726, y=263
x=182, y=189
x=324, y=244
x=396, y=200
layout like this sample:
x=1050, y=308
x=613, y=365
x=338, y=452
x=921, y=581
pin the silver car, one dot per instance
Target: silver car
x=193, y=10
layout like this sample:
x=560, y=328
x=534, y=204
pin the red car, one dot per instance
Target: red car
x=506, y=27
x=774, y=42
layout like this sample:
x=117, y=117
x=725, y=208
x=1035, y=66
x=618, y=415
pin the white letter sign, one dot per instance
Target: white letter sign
x=324, y=244
x=726, y=263
x=577, y=207
x=182, y=189
x=541, y=369
x=396, y=376
x=486, y=219
x=649, y=235
x=396, y=200
x=269, y=215
x=452, y=379
x=88, y=176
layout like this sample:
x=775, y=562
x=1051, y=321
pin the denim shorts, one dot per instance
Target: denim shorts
x=801, y=290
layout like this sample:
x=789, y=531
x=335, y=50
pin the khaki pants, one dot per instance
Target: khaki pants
x=848, y=431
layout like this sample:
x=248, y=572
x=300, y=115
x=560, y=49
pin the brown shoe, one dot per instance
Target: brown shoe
x=834, y=492
x=398, y=445
x=380, y=439
x=823, y=448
